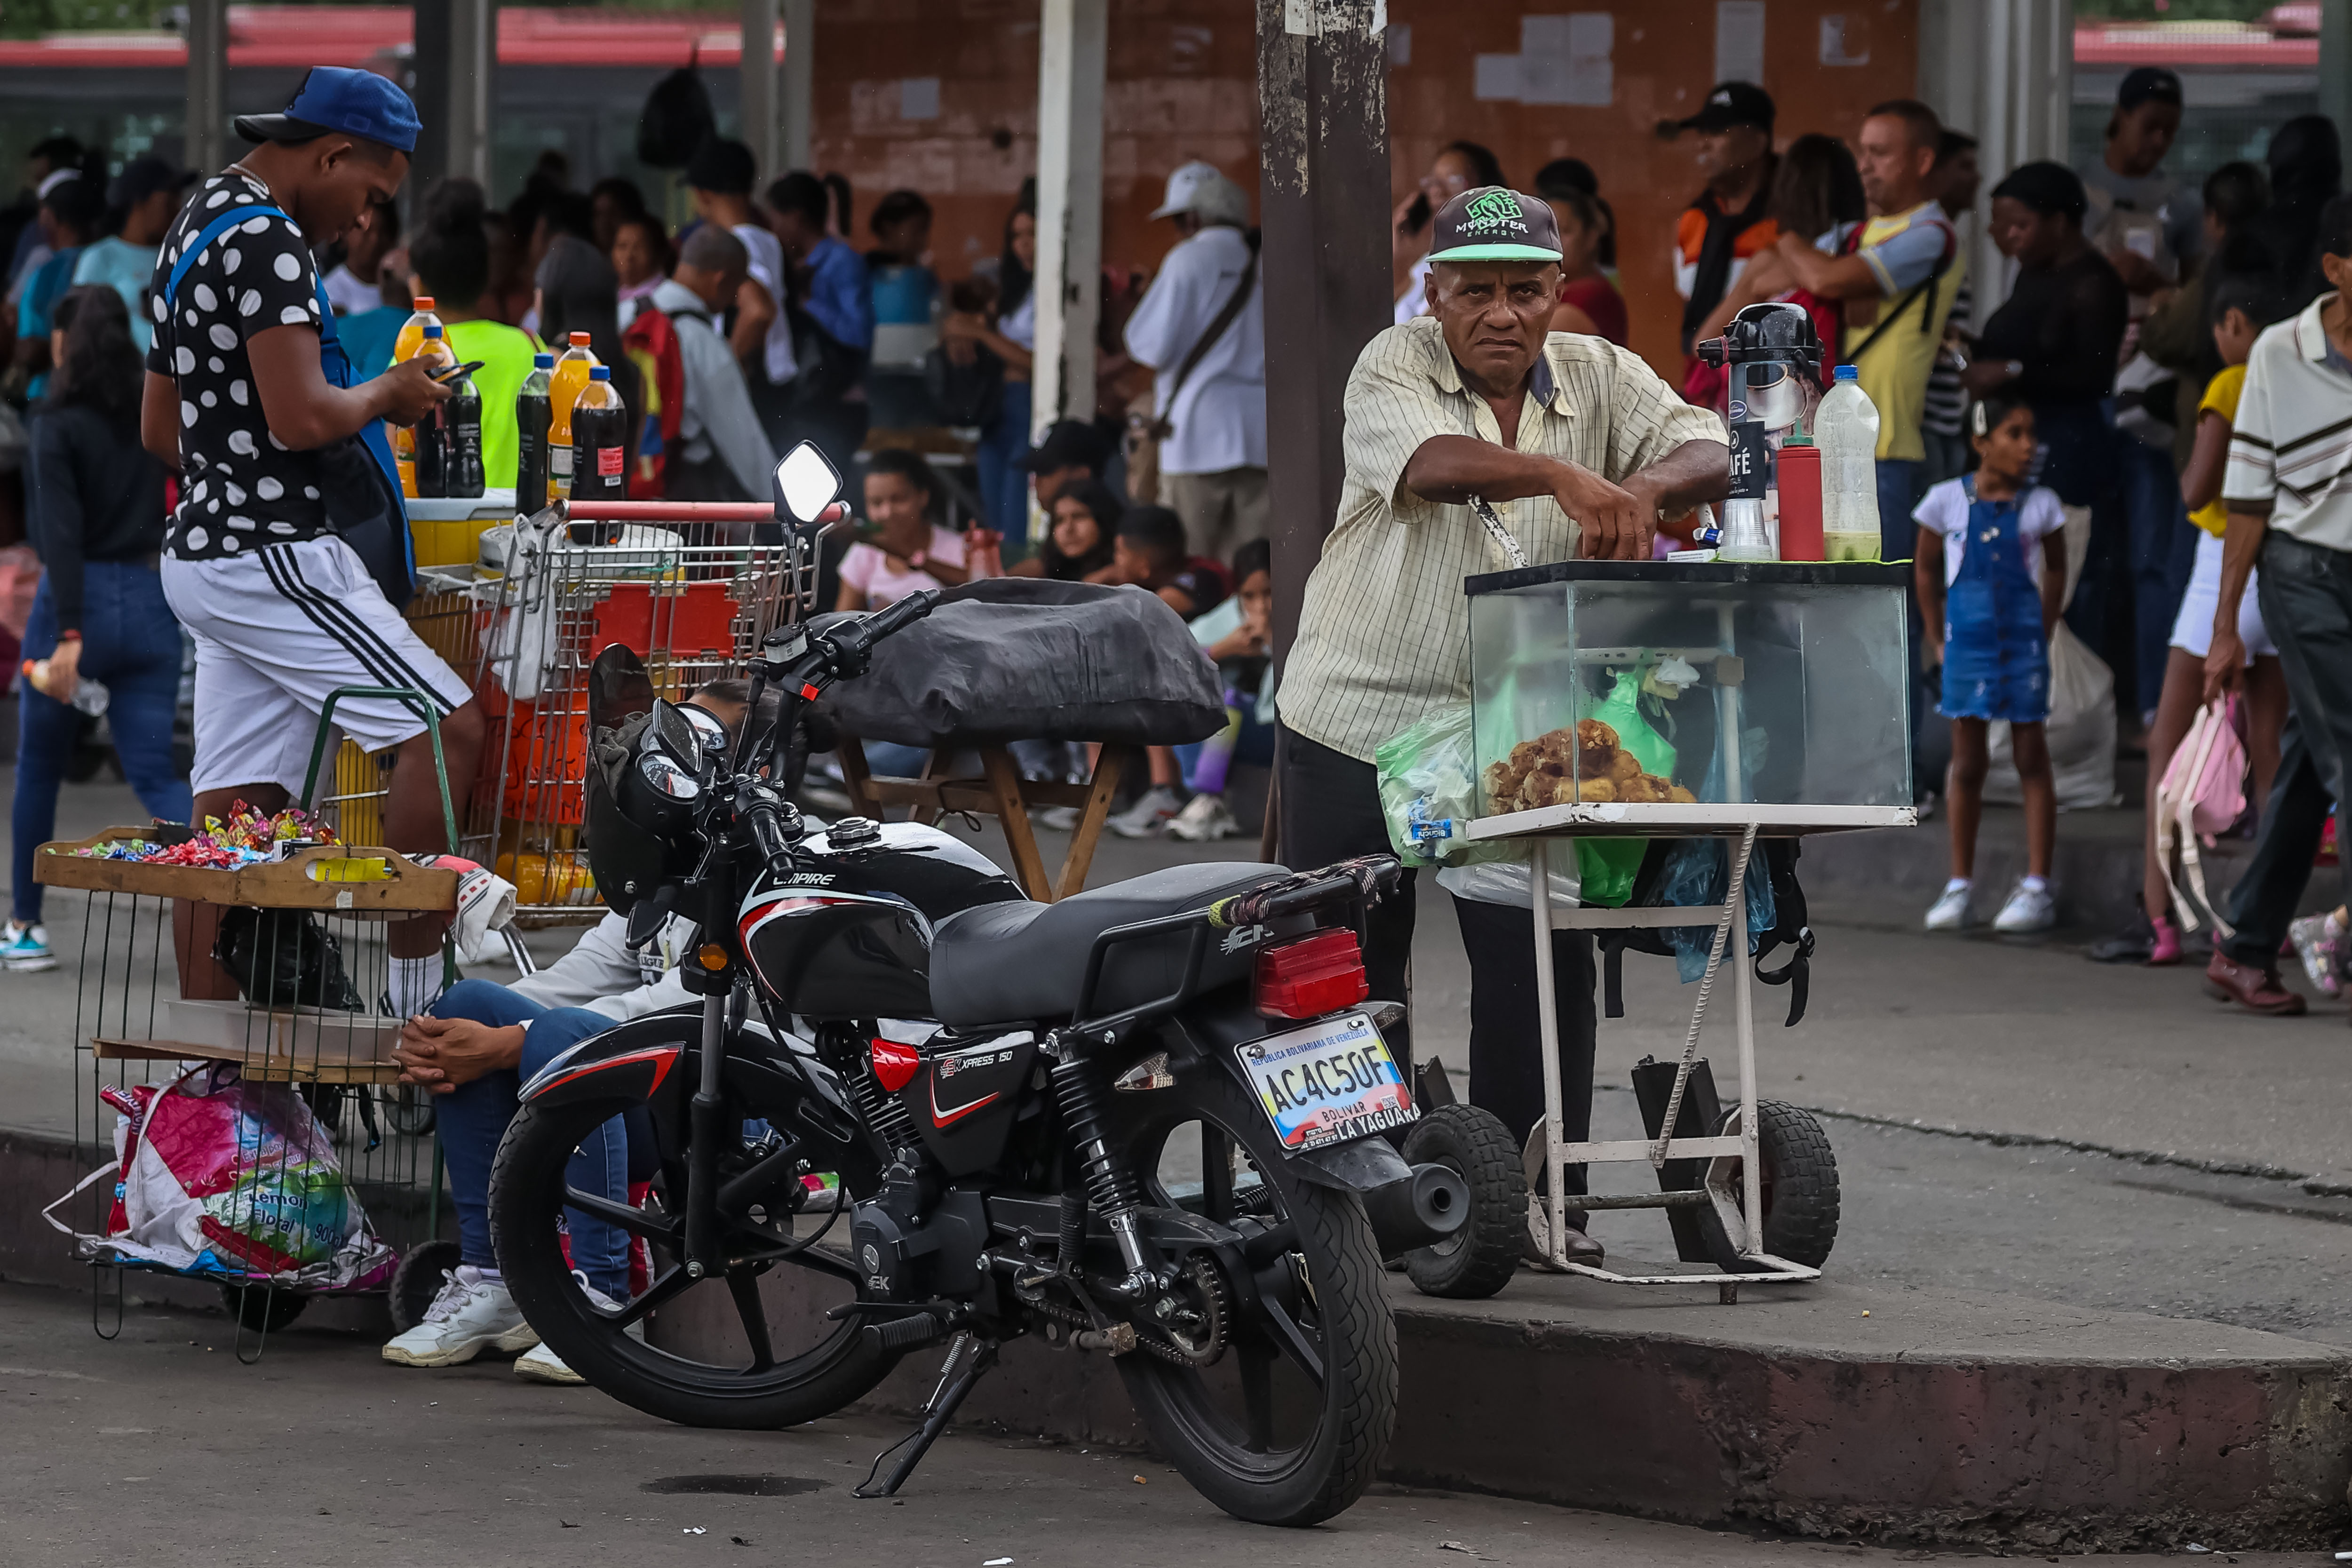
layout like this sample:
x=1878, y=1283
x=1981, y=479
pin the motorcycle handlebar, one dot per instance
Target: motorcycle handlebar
x=905, y=613
x=768, y=834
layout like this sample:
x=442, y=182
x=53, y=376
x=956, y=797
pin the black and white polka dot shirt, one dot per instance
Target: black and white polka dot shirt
x=240, y=488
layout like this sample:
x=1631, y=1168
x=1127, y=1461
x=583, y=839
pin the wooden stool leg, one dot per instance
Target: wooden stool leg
x=1012, y=813
x=1088, y=833
x=856, y=778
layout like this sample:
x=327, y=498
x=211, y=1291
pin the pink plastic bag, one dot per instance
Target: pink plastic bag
x=2202, y=792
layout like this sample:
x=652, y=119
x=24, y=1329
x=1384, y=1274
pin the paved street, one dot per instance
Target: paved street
x=160, y=1448
x=2005, y=1043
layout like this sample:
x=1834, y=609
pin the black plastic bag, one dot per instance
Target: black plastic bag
x=285, y=958
x=1028, y=658
x=677, y=120
x=966, y=395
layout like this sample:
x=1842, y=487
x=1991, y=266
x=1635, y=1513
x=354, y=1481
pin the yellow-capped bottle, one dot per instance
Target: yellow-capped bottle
x=404, y=347
x=564, y=385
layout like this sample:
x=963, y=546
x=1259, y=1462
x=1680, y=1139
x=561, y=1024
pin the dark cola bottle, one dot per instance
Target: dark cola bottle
x=600, y=450
x=461, y=440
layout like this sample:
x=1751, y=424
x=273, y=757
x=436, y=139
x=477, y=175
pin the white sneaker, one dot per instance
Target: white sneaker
x=1059, y=819
x=2029, y=909
x=471, y=1314
x=543, y=1365
x=25, y=949
x=1148, y=817
x=1950, y=911
x=1203, y=820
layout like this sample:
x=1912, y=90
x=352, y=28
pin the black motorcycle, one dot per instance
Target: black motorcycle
x=1145, y=1121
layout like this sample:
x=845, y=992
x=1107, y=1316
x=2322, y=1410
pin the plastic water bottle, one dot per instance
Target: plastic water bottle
x=1845, y=428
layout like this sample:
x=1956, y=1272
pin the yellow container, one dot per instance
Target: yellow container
x=448, y=531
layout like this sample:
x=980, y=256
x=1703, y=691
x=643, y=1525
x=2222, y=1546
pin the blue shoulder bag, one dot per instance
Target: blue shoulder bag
x=358, y=481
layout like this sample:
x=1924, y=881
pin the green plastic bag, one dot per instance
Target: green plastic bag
x=1608, y=866
x=1429, y=790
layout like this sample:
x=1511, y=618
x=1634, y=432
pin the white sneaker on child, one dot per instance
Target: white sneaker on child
x=2034, y=907
x=1149, y=816
x=543, y=1365
x=1204, y=819
x=1951, y=910
x=474, y=1313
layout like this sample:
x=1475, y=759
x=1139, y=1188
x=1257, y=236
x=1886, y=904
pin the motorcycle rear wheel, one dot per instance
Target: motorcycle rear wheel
x=1264, y=1433
x=837, y=1364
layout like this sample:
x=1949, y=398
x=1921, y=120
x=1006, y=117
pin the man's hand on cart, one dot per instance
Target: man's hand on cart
x=441, y=1054
x=1613, y=522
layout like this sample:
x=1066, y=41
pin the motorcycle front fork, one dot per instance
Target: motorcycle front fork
x=705, y=1123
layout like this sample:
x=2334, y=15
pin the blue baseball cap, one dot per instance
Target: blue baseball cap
x=337, y=99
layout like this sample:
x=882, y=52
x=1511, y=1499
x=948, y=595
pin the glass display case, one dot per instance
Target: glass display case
x=1634, y=692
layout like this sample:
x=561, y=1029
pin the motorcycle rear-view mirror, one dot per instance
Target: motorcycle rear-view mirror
x=618, y=689
x=807, y=482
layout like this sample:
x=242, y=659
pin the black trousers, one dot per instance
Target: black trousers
x=1330, y=810
x=2306, y=598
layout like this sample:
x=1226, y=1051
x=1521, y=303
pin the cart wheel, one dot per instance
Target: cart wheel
x=1799, y=1187
x=409, y=1110
x=1479, y=1259
x=418, y=1280
x=260, y=1310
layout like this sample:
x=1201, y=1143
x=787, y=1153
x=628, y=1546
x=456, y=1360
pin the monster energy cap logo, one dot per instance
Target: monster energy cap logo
x=1494, y=223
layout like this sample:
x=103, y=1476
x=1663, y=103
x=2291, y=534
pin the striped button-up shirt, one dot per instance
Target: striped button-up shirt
x=2291, y=444
x=1385, y=634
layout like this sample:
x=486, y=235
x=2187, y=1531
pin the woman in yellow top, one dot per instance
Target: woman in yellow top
x=449, y=258
x=2243, y=306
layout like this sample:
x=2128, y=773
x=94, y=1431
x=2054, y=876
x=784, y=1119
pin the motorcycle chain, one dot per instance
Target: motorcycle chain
x=1150, y=1336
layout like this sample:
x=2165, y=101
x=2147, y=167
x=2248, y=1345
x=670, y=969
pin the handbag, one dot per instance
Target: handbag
x=2202, y=792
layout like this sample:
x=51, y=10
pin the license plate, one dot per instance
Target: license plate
x=1326, y=1083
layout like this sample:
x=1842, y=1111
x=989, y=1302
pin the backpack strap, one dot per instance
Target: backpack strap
x=1923, y=290
x=1225, y=317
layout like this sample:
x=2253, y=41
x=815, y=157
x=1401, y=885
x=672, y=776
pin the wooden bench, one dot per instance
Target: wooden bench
x=1001, y=792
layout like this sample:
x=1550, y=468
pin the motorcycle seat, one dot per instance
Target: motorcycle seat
x=1020, y=962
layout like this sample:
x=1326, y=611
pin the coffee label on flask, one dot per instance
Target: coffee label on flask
x=1751, y=462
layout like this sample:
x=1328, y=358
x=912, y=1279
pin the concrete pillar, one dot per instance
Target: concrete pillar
x=758, y=93
x=431, y=62
x=473, y=67
x=2002, y=70
x=795, y=149
x=206, y=135
x=2335, y=62
x=1324, y=203
x=1072, y=35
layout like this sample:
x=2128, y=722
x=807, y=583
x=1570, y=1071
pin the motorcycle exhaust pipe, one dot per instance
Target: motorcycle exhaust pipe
x=1418, y=1209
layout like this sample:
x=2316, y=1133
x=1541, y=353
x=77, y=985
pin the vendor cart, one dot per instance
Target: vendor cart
x=1623, y=700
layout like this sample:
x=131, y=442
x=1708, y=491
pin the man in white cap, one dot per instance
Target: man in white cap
x=1201, y=327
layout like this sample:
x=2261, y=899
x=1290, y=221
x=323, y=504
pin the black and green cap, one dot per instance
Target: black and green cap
x=1494, y=223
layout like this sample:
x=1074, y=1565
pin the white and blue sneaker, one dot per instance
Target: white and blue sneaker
x=26, y=949
x=541, y=1364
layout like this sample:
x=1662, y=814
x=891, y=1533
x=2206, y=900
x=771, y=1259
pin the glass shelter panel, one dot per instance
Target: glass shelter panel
x=1639, y=682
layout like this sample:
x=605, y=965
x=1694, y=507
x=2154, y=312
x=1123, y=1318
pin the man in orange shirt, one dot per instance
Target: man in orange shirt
x=1725, y=226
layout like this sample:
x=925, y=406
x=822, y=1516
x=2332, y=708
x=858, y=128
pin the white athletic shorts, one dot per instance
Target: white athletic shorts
x=278, y=629
x=2192, y=628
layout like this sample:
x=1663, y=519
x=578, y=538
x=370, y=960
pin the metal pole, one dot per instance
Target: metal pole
x=431, y=62
x=2336, y=61
x=473, y=62
x=1073, y=37
x=758, y=89
x=1322, y=84
x=794, y=147
x=1751, y=1176
x=206, y=135
x=1548, y=1034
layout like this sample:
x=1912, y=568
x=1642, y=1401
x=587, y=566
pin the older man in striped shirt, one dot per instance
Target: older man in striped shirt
x=1582, y=449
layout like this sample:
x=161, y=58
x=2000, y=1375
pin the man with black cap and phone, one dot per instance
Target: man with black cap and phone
x=1726, y=224
x=1580, y=449
x=143, y=197
x=287, y=554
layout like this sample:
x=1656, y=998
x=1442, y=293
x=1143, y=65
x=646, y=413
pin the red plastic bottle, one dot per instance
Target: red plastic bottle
x=1800, y=473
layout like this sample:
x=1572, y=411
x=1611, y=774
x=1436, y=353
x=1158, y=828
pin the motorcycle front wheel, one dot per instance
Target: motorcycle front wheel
x=767, y=1358
x=1285, y=1425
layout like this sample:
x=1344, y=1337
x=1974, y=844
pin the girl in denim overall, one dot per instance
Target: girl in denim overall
x=1990, y=573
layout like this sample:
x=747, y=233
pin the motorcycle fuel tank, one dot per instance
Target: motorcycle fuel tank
x=846, y=934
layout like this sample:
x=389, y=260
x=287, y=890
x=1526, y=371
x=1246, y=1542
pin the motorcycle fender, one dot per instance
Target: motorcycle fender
x=633, y=1061
x=1363, y=1166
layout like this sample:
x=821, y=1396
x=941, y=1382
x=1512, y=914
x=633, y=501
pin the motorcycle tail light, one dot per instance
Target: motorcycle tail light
x=894, y=1064
x=1311, y=977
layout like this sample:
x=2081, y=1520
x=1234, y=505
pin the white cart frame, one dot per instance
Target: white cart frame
x=1741, y=1214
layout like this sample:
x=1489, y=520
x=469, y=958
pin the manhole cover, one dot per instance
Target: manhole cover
x=733, y=1486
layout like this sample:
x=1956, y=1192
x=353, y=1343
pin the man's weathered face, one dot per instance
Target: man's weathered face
x=1893, y=166
x=1494, y=314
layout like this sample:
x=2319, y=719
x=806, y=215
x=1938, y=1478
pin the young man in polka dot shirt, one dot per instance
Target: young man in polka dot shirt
x=271, y=464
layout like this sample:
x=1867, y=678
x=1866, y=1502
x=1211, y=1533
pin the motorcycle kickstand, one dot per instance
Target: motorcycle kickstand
x=956, y=1376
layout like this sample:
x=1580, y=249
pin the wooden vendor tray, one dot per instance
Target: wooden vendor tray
x=265, y=885
x=293, y=1045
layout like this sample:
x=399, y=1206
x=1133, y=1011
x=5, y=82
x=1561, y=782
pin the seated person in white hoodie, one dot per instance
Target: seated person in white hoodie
x=480, y=1044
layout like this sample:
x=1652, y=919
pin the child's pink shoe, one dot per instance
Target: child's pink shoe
x=2167, y=950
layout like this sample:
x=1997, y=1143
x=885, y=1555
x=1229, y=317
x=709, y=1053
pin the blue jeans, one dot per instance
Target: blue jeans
x=2163, y=555
x=474, y=1118
x=1004, y=482
x=131, y=645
